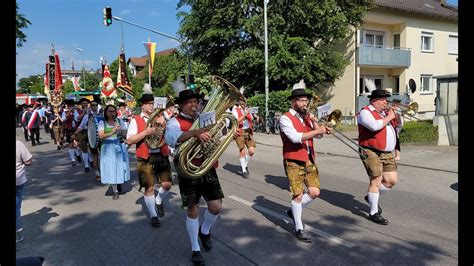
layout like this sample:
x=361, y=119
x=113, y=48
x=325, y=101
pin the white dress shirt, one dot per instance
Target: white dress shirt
x=173, y=131
x=367, y=120
x=133, y=128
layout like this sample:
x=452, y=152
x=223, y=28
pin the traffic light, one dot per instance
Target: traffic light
x=192, y=85
x=107, y=16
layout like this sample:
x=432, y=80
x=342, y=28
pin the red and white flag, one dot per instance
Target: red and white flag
x=75, y=82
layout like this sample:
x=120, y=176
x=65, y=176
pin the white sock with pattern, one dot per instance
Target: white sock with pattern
x=150, y=205
x=242, y=163
x=192, y=226
x=247, y=160
x=383, y=189
x=373, y=202
x=72, y=155
x=161, y=195
x=85, y=159
x=209, y=220
x=306, y=200
x=297, y=210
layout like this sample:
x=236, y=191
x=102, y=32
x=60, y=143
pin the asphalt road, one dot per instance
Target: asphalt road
x=72, y=220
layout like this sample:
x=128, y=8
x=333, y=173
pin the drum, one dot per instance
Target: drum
x=93, y=131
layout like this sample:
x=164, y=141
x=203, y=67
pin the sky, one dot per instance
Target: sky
x=71, y=24
x=75, y=24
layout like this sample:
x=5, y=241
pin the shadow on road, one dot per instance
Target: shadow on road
x=279, y=181
x=345, y=201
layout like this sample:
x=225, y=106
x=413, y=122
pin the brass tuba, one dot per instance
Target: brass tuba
x=224, y=95
x=156, y=140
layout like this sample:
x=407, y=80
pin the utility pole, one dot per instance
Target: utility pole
x=267, y=129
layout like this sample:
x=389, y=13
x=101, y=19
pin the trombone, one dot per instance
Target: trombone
x=333, y=120
x=406, y=110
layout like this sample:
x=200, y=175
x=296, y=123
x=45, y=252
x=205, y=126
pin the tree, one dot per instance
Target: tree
x=31, y=84
x=21, y=23
x=91, y=81
x=228, y=37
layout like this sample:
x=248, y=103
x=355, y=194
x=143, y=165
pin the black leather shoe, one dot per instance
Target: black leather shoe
x=73, y=163
x=245, y=175
x=155, y=222
x=160, y=210
x=205, y=240
x=197, y=258
x=302, y=236
x=116, y=196
x=86, y=169
x=367, y=199
x=378, y=219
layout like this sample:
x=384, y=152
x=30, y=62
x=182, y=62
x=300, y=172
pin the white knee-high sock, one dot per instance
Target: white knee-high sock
x=192, y=226
x=373, y=202
x=209, y=220
x=247, y=160
x=242, y=163
x=161, y=195
x=85, y=159
x=383, y=189
x=150, y=205
x=72, y=155
x=306, y=200
x=297, y=209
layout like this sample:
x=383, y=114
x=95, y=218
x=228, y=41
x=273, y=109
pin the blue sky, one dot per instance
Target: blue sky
x=79, y=23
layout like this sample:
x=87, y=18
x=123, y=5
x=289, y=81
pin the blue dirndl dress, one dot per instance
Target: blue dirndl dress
x=114, y=162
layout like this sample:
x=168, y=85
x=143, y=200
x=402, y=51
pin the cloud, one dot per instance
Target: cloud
x=124, y=12
x=154, y=13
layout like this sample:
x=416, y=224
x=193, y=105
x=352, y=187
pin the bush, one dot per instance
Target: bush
x=418, y=132
x=277, y=101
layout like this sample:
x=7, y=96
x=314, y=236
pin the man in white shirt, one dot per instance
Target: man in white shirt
x=245, y=138
x=377, y=135
x=23, y=158
x=153, y=166
x=297, y=130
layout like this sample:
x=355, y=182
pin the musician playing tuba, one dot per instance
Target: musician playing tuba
x=146, y=131
x=178, y=131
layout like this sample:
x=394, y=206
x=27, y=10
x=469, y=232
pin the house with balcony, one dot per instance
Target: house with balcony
x=402, y=46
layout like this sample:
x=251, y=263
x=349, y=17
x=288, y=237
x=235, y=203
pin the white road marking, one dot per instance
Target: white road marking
x=318, y=232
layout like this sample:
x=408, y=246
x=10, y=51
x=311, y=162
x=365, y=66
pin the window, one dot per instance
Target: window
x=453, y=44
x=425, y=81
x=374, y=38
x=396, y=41
x=368, y=83
x=426, y=41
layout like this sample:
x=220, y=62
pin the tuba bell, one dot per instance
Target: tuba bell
x=155, y=141
x=224, y=95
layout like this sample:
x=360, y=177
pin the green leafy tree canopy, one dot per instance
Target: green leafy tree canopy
x=21, y=23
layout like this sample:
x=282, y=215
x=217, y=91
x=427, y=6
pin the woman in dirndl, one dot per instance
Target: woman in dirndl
x=114, y=163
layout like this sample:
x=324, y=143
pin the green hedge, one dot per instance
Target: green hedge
x=418, y=132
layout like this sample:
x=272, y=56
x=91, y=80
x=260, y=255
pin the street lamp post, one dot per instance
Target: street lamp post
x=267, y=129
x=83, y=70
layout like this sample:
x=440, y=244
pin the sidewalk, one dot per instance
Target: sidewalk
x=443, y=158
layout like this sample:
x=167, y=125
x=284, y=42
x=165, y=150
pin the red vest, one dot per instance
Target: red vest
x=68, y=121
x=185, y=124
x=241, y=123
x=142, y=150
x=373, y=139
x=297, y=151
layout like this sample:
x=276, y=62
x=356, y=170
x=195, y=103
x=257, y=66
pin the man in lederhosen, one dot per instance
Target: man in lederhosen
x=153, y=165
x=88, y=153
x=245, y=138
x=191, y=190
x=80, y=135
x=297, y=130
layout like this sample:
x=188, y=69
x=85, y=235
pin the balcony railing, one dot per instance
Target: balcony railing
x=384, y=56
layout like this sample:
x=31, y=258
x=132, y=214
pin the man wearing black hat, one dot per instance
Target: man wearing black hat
x=376, y=123
x=191, y=190
x=152, y=164
x=297, y=130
